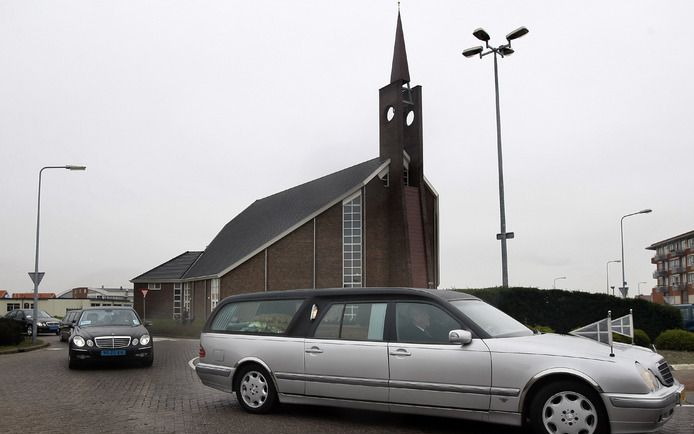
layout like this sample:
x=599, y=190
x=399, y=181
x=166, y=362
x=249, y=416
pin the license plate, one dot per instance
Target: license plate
x=112, y=352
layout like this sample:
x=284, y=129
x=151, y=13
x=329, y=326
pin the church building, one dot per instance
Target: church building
x=373, y=224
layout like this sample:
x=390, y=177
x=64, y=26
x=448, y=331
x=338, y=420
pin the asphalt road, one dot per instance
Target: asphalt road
x=40, y=394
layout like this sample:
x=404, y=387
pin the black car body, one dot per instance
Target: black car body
x=45, y=323
x=68, y=323
x=109, y=334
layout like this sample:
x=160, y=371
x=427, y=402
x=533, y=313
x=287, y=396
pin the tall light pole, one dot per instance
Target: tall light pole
x=625, y=289
x=35, y=276
x=607, y=272
x=554, y=285
x=503, y=51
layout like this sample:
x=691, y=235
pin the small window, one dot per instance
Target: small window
x=154, y=286
x=356, y=322
x=263, y=317
x=424, y=323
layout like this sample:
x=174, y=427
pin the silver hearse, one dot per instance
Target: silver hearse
x=428, y=352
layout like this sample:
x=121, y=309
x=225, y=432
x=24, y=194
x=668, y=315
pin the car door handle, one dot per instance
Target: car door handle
x=314, y=350
x=400, y=352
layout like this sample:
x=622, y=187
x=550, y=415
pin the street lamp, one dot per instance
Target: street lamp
x=624, y=289
x=554, y=285
x=503, y=51
x=607, y=269
x=36, y=276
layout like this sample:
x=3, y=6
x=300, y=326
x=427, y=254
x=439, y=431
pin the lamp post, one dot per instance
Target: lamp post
x=503, y=51
x=624, y=289
x=35, y=276
x=554, y=285
x=607, y=272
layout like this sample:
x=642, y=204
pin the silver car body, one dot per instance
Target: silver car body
x=488, y=379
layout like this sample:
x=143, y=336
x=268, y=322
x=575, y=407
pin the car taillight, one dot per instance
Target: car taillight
x=201, y=353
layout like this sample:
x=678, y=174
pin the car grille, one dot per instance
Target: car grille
x=52, y=324
x=112, y=341
x=665, y=373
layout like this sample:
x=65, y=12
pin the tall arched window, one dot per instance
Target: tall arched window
x=352, y=241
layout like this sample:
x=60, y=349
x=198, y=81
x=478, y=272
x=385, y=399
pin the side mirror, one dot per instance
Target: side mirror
x=460, y=337
x=148, y=324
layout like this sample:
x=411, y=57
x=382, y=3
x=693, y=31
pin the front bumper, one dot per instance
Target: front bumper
x=95, y=353
x=635, y=413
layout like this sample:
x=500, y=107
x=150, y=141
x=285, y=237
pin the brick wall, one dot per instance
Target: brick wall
x=329, y=248
x=290, y=260
x=247, y=277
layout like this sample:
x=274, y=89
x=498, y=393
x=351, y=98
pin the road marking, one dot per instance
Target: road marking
x=164, y=339
x=192, y=363
x=54, y=349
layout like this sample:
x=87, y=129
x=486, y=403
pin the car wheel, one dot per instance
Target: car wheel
x=30, y=331
x=254, y=389
x=73, y=363
x=567, y=407
x=148, y=361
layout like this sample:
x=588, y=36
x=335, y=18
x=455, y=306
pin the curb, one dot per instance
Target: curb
x=682, y=367
x=24, y=349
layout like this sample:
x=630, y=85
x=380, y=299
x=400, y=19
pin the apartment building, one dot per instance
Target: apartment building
x=674, y=261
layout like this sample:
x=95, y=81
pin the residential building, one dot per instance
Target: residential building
x=674, y=261
x=372, y=224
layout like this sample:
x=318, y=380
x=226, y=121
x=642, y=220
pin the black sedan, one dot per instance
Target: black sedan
x=109, y=334
x=45, y=324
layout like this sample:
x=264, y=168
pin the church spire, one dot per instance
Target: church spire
x=400, y=70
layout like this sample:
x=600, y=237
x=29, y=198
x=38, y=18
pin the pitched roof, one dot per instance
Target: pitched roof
x=3, y=293
x=172, y=269
x=267, y=220
x=41, y=295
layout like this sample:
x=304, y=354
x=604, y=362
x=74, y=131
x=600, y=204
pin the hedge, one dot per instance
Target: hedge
x=11, y=332
x=564, y=311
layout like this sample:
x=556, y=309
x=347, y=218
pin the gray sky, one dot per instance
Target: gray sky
x=186, y=112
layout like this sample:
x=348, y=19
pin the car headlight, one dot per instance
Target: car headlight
x=648, y=378
x=135, y=341
x=78, y=341
x=90, y=343
x=144, y=340
x=42, y=324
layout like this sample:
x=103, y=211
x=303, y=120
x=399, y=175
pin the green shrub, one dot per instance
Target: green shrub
x=641, y=338
x=616, y=337
x=542, y=329
x=11, y=332
x=678, y=340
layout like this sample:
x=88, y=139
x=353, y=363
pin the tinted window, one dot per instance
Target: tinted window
x=493, y=321
x=423, y=323
x=265, y=316
x=354, y=321
x=109, y=317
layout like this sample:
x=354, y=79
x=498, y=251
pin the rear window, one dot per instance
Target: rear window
x=263, y=316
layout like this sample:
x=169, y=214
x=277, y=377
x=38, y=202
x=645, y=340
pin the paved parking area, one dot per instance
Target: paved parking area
x=45, y=396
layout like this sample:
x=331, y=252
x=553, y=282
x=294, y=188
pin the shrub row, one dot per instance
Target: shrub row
x=11, y=332
x=677, y=340
x=564, y=311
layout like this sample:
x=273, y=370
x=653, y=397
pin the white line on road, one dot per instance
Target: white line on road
x=192, y=363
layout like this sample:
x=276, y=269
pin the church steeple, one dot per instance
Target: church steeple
x=400, y=71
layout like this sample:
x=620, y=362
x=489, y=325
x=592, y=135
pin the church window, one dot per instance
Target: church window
x=390, y=113
x=352, y=241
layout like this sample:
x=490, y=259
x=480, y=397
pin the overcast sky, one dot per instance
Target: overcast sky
x=185, y=112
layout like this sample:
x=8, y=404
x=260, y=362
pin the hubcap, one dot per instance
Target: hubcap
x=254, y=390
x=569, y=413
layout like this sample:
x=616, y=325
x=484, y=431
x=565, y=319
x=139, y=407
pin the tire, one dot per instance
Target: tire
x=567, y=407
x=30, y=331
x=72, y=363
x=148, y=362
x=255, y=390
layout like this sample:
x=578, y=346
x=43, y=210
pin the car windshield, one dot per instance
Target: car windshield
x=30, y=313
x=490, y=319
x=109, y=317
